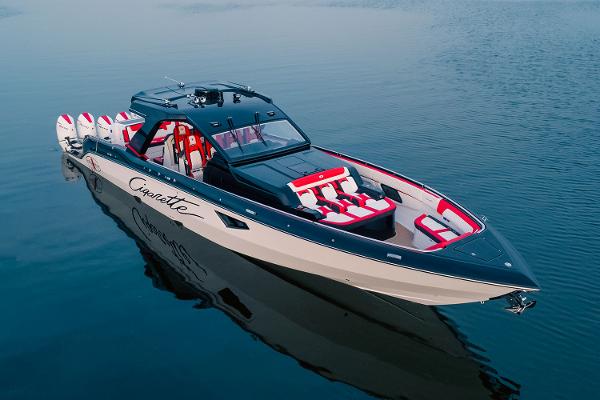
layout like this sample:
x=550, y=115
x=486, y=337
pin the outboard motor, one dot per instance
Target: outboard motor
x=122, y=116
x=65, y=131
x=119, y=128
x=104, y=130
x=86, y=125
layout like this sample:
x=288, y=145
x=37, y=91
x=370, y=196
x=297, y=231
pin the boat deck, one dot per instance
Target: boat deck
x=403, y=236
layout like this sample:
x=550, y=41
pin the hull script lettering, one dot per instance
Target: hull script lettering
x=177, y=203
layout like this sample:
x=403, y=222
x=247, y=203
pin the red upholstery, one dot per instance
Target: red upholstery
x=441, y=233
x=434, y=233
x=338, y=206
x=188, y=142
x=444, y=206
x=324, y=192
x=194, y=145
x=357, y=198
x=180, y=132
x=320, y=177
x=129, y=131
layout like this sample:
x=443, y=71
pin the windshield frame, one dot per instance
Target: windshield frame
x=242, y=158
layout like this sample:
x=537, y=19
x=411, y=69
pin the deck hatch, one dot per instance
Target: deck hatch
x=481, y=249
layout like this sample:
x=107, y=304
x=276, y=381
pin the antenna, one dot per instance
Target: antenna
x=179, y=83
x=241, y=86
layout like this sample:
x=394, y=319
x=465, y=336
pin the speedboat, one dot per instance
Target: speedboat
x=225, y=162
x=387, y=347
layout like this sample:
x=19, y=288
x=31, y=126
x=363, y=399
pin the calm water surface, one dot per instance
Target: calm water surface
x=494, y=103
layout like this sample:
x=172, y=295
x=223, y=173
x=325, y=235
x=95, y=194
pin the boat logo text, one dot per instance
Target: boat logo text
x=174, y=202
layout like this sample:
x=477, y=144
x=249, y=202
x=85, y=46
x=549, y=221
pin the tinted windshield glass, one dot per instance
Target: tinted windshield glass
x=257, y=139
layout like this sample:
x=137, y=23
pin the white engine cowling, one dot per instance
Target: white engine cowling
x=65, y=130
x=86, y=125
x=122, y=116
x=104, y=125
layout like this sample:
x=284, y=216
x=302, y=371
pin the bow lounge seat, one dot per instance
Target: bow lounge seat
x=431, y=233
x=339, y=201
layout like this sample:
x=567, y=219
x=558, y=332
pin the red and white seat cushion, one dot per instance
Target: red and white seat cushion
x=432, y=233
x=334, y=193
x=190, y=147
x=438, y=234
x=309, y=200
x=457, y=217
x=194, y=154
x=434, y=229
x=349, y=188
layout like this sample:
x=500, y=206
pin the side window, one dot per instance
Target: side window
x=156, y=150
x=182, y=148
x=123, y=128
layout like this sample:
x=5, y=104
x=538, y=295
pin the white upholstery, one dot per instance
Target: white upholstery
x=428, y=226
x=168, y=156
x=335, y=217
x=461, y=224
x=359, y=211
x=308, y=199
x=195, y=157
x=154, y=151
x=448, y=235
x=181, y=165
x=377, y=204
x=329, y=192
x=317, y=191
x=196, y=160
x=422, y=241
x=432, y=224
x=349, y=185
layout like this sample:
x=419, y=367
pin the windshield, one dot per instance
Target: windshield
x=257, y=139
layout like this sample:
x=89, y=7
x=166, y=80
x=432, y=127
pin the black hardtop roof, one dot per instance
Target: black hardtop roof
x=207, y=105
x=179, y=103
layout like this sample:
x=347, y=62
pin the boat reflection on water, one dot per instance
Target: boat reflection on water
x=386, y=347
